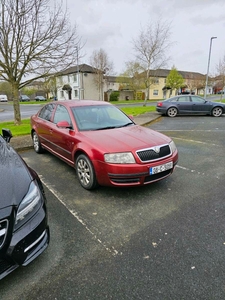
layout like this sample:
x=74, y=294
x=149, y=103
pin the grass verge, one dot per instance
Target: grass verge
x=24, y=128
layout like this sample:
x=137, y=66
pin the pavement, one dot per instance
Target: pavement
x=25, y=141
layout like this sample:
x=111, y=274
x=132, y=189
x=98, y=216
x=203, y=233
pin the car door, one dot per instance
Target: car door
x=44, y=124
x=184, y=104
x=62, y=138
x=200, y=105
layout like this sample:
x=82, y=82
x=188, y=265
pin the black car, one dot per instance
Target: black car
x=188, y=104
x=24, y=230
x=40, y=98
x=24, y=98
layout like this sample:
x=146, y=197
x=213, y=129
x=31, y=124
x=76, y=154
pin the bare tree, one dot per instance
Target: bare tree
x=36, y=40
x=132, y=77
x=151, y=48
x=102, y=66
x=220, y=84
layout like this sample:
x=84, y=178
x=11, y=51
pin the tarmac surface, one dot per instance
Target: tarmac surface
x=25, y=142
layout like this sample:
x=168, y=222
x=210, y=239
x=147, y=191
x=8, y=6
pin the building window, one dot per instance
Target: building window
x=60, y=80
x=68, y=78
x=76, y=93
x=155, y=92
x=74, y=77
x=155, y=80
x=61, y=94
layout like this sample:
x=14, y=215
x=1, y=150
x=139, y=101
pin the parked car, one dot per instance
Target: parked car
x=40, y=98
x=188, y=104
x=3, y=98
x=24, y=230
x=24, y=98
x=102, y=143
x=220, y=92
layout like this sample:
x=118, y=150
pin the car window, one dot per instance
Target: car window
x=46, y=112
x=99, y=117
x=198, y=100
x=184, y=99
x=173, y=99
x=61, y=114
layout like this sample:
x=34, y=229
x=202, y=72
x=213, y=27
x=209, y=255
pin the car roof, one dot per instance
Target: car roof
x=72, y=103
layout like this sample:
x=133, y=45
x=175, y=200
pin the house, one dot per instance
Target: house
x=77, y=82
x=85, y=82
x=194, y=83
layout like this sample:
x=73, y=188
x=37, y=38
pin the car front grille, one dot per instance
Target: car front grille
x=136, y=179
x=3, y=231
x=156, y=177
x=154, y=153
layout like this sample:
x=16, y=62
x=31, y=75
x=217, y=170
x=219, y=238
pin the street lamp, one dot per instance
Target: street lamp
x=78, y=81
x=206, y=83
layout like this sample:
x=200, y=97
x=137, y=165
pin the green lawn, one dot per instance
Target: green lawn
x=24, y=128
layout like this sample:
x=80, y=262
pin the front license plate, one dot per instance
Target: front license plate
x=161, y=168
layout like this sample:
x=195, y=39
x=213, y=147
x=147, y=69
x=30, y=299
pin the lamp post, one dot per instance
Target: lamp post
x=78, y=81
x=210, y=47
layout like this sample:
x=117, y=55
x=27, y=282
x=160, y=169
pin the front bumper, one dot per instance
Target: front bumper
x=26, y=244
x=133, y=174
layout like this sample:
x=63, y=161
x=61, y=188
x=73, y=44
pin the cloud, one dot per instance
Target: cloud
x=112, y=24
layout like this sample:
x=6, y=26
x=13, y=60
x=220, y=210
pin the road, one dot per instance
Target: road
x=162, y=241
x=27, y=110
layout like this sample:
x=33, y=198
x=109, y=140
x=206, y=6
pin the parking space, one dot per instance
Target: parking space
x=161, y=241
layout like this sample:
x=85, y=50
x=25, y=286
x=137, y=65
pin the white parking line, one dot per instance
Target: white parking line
x=60, y=197
x=194, y=141
x=192, y=171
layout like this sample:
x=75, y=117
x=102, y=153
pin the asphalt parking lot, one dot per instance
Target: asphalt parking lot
x=162, y=241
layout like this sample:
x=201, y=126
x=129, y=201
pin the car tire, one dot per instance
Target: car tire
x=172, y=112
x=217, y=111
x=36, y=143
x=85, y=172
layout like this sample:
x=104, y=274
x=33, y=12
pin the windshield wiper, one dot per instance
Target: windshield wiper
x=127, y=124
x=107, y=127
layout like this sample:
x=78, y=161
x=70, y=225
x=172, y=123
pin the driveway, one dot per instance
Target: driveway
x=162, y=241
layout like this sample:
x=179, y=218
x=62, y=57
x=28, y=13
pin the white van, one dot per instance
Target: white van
x=3, y=98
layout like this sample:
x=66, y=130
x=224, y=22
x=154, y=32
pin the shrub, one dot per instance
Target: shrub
x=114, y=96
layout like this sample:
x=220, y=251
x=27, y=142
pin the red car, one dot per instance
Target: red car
x=102, y=143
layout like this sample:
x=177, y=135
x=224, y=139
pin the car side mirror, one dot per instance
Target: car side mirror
x=7, y=135
x=63, y=124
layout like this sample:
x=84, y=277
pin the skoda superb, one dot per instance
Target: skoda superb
x=102, y=143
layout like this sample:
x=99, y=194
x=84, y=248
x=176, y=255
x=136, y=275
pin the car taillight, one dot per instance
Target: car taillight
x=159, y=104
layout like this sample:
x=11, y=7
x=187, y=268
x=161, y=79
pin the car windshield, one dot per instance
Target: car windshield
x=100, y=117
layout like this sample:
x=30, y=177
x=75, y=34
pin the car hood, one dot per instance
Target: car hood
x=14, y=176
x=131, y=138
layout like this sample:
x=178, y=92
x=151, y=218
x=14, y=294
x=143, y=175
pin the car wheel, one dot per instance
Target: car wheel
x=85, y=172
x=36, y=143
x=172, y=112
x=217, y=111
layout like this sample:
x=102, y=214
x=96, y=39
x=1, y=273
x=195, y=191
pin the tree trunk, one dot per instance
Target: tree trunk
x=16, y=104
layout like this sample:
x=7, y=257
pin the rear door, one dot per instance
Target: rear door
x=184, y=104
x=63, y=139
x=44, y=124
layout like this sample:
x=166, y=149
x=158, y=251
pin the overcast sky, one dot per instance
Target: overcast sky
x=112, y=24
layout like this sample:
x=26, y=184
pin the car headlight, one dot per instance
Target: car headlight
x=173, y=146
x=119, y=158
x=29, y=205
